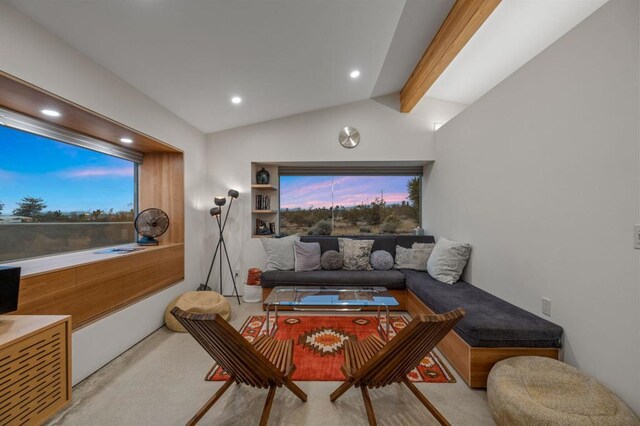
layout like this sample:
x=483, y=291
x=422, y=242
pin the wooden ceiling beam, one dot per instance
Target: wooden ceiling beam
x=464, y=19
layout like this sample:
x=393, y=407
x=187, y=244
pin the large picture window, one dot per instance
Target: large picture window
x=57, y=197
x=349, y=205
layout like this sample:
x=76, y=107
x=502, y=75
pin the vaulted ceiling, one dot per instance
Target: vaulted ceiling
x=284, y=57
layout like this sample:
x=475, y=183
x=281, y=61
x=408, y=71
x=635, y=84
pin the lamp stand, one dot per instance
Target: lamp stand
x=219, y=248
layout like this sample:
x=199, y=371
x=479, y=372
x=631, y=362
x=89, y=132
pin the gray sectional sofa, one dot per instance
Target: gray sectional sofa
x=491, y=330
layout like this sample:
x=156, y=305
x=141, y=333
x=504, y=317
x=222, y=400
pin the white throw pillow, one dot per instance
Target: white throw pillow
x=447, y=260
x=280, y=253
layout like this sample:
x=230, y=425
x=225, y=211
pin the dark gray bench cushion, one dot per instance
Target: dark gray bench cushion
x=489, y=321
x=389, y=279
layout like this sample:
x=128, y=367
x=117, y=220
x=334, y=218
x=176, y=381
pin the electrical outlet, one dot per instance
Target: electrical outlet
x=546, y=306
x=636, y=237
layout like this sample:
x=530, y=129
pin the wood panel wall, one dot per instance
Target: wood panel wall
x=161, y=185
x=90, y=291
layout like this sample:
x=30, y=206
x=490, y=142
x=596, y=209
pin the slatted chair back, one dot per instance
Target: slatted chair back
x=404, y=352
x=233, y=353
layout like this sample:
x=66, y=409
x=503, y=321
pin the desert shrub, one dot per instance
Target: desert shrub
x=390, y=224
x=322, y=227
x=365, y=230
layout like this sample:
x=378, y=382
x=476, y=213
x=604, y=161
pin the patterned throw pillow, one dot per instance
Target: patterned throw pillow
x=341, y=244
x=381, y=260
x=447, y=260
x=331, y=260
x=413, y=258
x=356, y=255
x=428, y=246
x=280, y=256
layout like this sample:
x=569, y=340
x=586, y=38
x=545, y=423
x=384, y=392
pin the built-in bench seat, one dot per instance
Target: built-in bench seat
x=490, y=322
x=491, y=330
x=393, y=280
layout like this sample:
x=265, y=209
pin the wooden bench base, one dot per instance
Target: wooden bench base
x=400, y=295
x=473, y=364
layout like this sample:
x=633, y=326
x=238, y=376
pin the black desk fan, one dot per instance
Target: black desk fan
x=150, y=224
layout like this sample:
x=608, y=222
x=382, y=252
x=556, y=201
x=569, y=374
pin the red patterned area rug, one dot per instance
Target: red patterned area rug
x=318, y=352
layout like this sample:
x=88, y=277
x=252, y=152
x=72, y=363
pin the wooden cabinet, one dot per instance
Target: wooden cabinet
x=35, y=367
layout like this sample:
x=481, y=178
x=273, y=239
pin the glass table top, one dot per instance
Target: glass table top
x=330, y=296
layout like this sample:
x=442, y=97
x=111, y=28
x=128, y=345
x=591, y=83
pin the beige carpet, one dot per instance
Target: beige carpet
x=160, y=382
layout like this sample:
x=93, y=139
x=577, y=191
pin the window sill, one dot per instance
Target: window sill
x=54, y=263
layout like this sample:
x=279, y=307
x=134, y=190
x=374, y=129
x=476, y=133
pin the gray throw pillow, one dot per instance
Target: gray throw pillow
x=381, y=260
x=447, y=260
x=331, y=260
x=280, y=256
x=307, y=256
x=413, y=258
x=356, y=254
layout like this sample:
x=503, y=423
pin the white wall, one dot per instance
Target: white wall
x=29, y=52
x=386, y=135
x=541, y=175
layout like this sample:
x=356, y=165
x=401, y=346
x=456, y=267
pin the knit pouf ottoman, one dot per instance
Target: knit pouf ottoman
x=198, y=302
x=530, y=390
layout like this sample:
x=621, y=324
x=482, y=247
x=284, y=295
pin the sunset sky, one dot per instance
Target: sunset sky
x=67, y=177
x=315, y=191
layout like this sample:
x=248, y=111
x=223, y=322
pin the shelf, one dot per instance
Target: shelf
x=263, y=236
x=264, y=211
x=264, y=187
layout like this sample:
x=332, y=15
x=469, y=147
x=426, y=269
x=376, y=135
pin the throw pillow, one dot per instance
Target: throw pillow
x=356, y=255
x=447, y=260
x=381, y=260
x=413, y=258
x=428, y=246
x=331, y=260
x=307, y=256
x=280, y=256
x=341, y=244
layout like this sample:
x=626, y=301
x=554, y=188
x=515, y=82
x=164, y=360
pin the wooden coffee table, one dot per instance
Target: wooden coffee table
x=334, y=299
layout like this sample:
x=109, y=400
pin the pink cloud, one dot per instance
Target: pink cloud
x=99, y=172
x=347, y=191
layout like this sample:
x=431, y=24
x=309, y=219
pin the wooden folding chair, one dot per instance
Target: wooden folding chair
x=266, y=363
x=370, y=363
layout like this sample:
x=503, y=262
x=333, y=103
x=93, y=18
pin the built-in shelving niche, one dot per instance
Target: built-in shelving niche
x=265, y=200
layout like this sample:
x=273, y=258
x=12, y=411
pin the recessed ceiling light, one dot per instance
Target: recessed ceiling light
x=50, y=112
x=355, y=74
x=126, y=140
x=236, y=100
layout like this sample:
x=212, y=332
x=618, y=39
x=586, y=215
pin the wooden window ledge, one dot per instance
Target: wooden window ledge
x=89, y=286
x=58, y=262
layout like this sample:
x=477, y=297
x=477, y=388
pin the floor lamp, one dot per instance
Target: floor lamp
x=216, y=212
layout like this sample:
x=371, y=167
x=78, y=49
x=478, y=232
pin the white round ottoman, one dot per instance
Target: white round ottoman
x=531, y=390
x=197, y=302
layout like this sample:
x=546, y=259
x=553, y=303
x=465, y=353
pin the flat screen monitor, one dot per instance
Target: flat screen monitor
x=9, y=285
